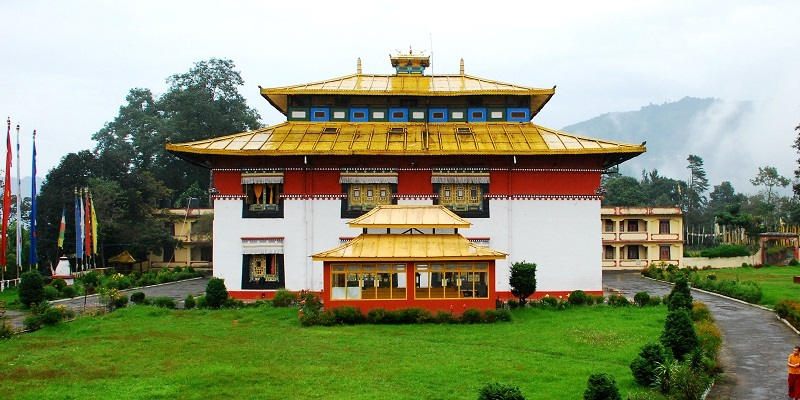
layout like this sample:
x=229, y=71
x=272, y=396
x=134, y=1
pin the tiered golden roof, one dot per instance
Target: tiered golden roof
x=409, y=216
x=408, y=85
x=407, y=138
x=371, y=247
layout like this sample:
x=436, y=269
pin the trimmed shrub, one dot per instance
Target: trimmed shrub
x=52, y=316
x=50, y=292
x=471, y=316
x=679, y=335
x=119, y=301
x=513, y=304
x=725, y=250
x=616, y=300
x=414, y=315
x=601, y=387
x=794, y=262
x=644, y=365
x=32, y=323
x=445, y=317
x=137, y=297
x=700, y=312
x=283, y=298
x=233, y=303
x=654, y=301
x=31, y=288
x=348, y=315
x=499, y=391
x=69, y=291
x=59, y=284
x=201, y=302
x=548, y=301
x=578, y=298
x=216, y=294
x=597, y=299
x=164, y=302
x=641, y=299
x=523, y=280
x=679, y=301
x=379, y=316
x=91, y=278
x=189, y=303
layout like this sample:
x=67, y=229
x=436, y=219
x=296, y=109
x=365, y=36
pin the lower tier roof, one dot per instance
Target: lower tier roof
x=407, y=247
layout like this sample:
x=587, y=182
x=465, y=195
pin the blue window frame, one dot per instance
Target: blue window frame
x=398, y=115
x=437, y=115
x=476, y=115
x=518, y=114
x=320, y=114
x=359, y=114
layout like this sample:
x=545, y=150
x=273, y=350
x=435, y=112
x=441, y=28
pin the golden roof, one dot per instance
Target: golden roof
x=369, y=247
x=409, y=216
x=408, y=85
x=407, y=138
x=123, y=258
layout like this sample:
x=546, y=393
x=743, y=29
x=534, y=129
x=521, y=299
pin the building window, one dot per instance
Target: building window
x=320, y=114
x=476, y=115
x=664, y=252
x=262, y=271
x=362, y=197
x=437, y=115
x=368, y=281
x=518, y=114
x=466, y=200
x=633, y=252
x=358, y=115
x=451, y=280
x=663, y=226
x=262, y=200
x=633, y=225
x=206, y=253
x=398, y=114
x=609, y=225
x=608, y=253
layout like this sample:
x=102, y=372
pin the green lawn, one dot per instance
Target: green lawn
x=775, y=282
x=11, y=297
x=148, y=353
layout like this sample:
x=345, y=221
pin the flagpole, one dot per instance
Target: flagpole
x=6, y=205
x=34, y=261
x=19, y=211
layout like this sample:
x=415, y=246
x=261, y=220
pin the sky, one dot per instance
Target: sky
x=67, y=66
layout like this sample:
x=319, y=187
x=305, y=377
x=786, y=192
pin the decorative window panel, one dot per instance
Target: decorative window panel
x=339, y=114
x=298, y=114
x=359, y=114
x=262, y=271
x=518, y=114
x=262, y=198
x=417, y=114
x=398, y=114
x=461, y=197
x=320, y=114
x=476, y=115
x=458, y=114
x=496, y=114
x=437, y=115
x=378, y=115
x=365, y=196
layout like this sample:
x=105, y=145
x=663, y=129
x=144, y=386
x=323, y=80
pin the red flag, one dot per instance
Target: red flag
x=6, y=197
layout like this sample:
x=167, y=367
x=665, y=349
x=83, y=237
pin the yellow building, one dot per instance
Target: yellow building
x=635, y=237
x=194, y=246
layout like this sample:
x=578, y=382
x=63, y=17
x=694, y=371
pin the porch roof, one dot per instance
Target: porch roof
x=394, y=247
x=409, y=216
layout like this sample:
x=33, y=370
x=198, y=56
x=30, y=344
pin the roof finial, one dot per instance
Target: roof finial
x=461, y=67
x=358, y=66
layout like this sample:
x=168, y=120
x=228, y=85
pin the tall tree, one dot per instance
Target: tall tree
x=694, y=195
x=624, y=191
x=768, y=177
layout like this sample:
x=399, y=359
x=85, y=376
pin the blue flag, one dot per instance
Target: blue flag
x=78, y=236
x=34, y=260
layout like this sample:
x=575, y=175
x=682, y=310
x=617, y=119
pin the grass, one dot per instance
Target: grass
x=776, y=282
x=143, y=352
x=11, y=297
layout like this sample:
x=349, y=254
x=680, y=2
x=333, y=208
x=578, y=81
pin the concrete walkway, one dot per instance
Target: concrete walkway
x=755, y=343
x=174, y=290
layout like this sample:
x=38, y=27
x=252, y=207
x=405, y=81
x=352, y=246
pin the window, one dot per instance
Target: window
x=330, y=129
x=609, y=225
x=451, y=280
x=633, y=225
x=263, y=200
x=663, y=226
x=476, y=114
x=368, y=281
x=664, y=253
x=438, y=115
x=398, y=114
x=359, y=114
x=464, y=130
x=517, y=114
x=262, y=271
x=467, y=200
x=633, y=252
x=608, y=254
x=362, y=197
x=206, y=253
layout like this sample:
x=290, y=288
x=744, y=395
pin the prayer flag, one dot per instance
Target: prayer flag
x=62, y=227
x=6, y=197
x=78, y=236
x=19, y=210
x=94, y=226
x=34, y=260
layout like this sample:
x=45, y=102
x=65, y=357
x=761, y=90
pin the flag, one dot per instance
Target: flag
x=87, y=224
x=34, y=260
x=94, y=225
x=82, y=223
x=6, y=198
x=62, y=228
x=78, y=236
x=19, y=211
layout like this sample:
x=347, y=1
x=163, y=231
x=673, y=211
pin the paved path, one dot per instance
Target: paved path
x=755, y=343
x=175, y=290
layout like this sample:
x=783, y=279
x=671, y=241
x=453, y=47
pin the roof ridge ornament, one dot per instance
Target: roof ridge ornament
x=461, y=66
x=358, y=66
x=411, y=63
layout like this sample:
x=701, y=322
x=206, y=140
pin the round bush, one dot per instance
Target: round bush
x=69, y=291
x=32, y=323
x=654, y=301
x=59, y=284
x=601, y=387
x=512, y=304
x=499, y=391
x=91, y=278
x=644, y=365
x=120, y=301
x=189, y=303
x=50, y=292
x=471, y=316
x=641, y=299
x=52, y=316
x=216, y=294
x=137, y=297
x=616, y=300
x=31, y=288
x=578, y=298
x=283, y=298
x=164, y=302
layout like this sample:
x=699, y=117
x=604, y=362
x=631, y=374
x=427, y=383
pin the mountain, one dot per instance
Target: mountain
x=708, y=127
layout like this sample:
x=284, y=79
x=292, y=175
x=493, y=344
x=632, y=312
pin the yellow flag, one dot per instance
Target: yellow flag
x=94, y=225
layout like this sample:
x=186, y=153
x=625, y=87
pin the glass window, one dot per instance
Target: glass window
x=663, y=226
x=262, y=200
x=633, y=225
x=262, y=271
x=609, y=252
x=464, y=280
x=438, y=115
x=609, y=226
x=367, y=282
x=633, y=252
x=517, y=114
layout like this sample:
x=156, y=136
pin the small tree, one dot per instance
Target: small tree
x=644, y=365
x=31, y=288
x=523, y=280
x=216, y=294
x=679, y=335
x=601, y=387
x=499, y=391
x=680, y=298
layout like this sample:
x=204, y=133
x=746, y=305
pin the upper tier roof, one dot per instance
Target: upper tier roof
x=375, y=138
x=409, y=216
x=370, y=247
x=408, y=85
